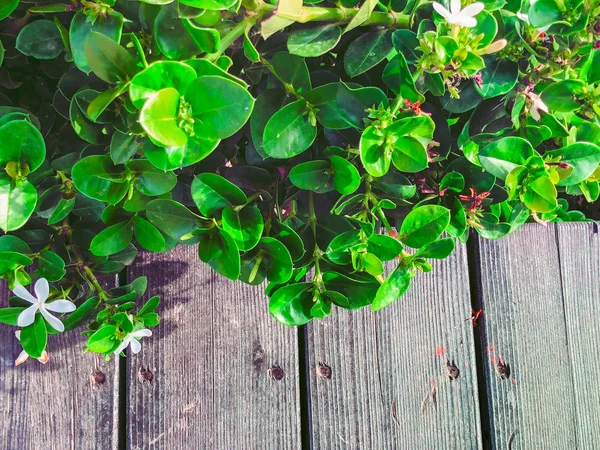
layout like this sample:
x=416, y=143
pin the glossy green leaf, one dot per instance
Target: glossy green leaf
x=346, y=177
x=584, y=157
x=439, y=249
x=312, y=176
x=502, y=156
x=212, y=193
x=312, y=42
x=22, y=143
x=392, y=289
x=112, y=239
x=17, y=203
x=157, y=76
x=289, y=131
x=423, y=225
x=367, y=51
x=540, y=195
x=98, y=178
x=108, y=60
x=244, y=225
x=40, y=39
x=148, y=235
x=159, y=117
x=150, y=180
x=51, y=266
x=34, y=337
x=291, y=304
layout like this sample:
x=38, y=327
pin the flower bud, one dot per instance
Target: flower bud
x=493, y=47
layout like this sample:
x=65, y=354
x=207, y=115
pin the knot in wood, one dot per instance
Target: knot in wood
x=451, y=370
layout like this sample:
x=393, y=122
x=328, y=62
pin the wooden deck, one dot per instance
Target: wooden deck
x=227, y=376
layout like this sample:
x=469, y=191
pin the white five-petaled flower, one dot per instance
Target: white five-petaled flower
x=23, y=356
x=131, y=340
x=457, y=16
x=537, y=105
x=42, y=290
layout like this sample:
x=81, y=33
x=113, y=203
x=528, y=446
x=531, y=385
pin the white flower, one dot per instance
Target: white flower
x=42, y=290
x=23, y=356
x=457, y=16
x=537, y=105
x=131, y=339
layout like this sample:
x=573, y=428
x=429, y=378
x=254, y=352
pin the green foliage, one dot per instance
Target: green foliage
x=329, y=151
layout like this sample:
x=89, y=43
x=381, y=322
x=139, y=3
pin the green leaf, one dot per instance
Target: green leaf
x=362, y=15
x=498, y=77
x=150, y=180
x=98, y=178
x=159, y=118
x=51, y=266
x=292, y=70
x=367, y=51
x=85, y=310
x=289, y=131
x=22, y=143
x=10, y=316
x=312, y=42
x=109, y=25
x=291, y=304
x=172, y=38
x=502, y=156
x=250, y=51
x=112, y=239
x=584, y=157
x=62, y=210
x=439, y=249
x=147, y=235
x=108, y=60
x=392, y=289
x=423, y=225
x=220, y=251
x=398, y=78
x=374, y=154
x=386, y=248
x=7, y=7
x=312, y=176
x=158, y=76
x=217, y=5
x=544, y=13
x=212, y=193
x=409, y=155
x=149, y=306
x=17, y=203
x=540, y=195
x=245, y=226
x=346, y=177
x=562, y=96
x=124, y=146
x=220, y=107
x=171, y=217
x=34, y=337
x=207, y=39
x=273, y=259
x=104, y=340
x=40, y=39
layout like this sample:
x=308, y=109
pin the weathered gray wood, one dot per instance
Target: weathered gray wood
x=521, y=293
x=389, y=387
x=210, y=358
x=53, y=406
x=579, y=245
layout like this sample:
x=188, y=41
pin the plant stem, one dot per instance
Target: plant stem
x=233, y=35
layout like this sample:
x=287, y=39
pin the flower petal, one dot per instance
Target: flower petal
x=42, y=289
x=53, y=321
x=123, y=345
x=473, y=9
x=141, y=333
x=21, y=358
x=468, y=22
x=535, y=115
x=441, y=10
x=60, y=306
x=455, y=7
x=27, y=316
x=135, y=346
x=23, y=293
x=44, y=358
x=18, y=334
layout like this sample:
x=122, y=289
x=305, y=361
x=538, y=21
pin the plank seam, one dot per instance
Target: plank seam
x=121, y=387
x=306, y=431
x=474, y=273
x=568, y=344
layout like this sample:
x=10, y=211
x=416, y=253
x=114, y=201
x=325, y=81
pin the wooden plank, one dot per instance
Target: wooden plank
x=53, y=406
x=211, y=358
x=579, y=245
x=389, y=387
x=524, y=327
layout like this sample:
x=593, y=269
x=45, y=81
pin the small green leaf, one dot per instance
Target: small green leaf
x=148, y=235
x=245, y=226
x=159, y=117
x=17, y=203
x=291, y=304
x=424, y=225
x=312, y=42
x=112, y=239
x=51, y=266
x=212, y=193
x=40, y=39
x=392, y=289
x=34, y=337
x=289, y=131
x=108, y=60
x=367, y=51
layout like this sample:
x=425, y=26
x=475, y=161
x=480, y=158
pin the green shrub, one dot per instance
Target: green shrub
x=279, y=140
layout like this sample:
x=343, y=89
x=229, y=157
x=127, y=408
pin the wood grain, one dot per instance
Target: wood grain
x=53, y=406
x=389, y=387
x=521, y=293
x=210, y=358
x=579, y=246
